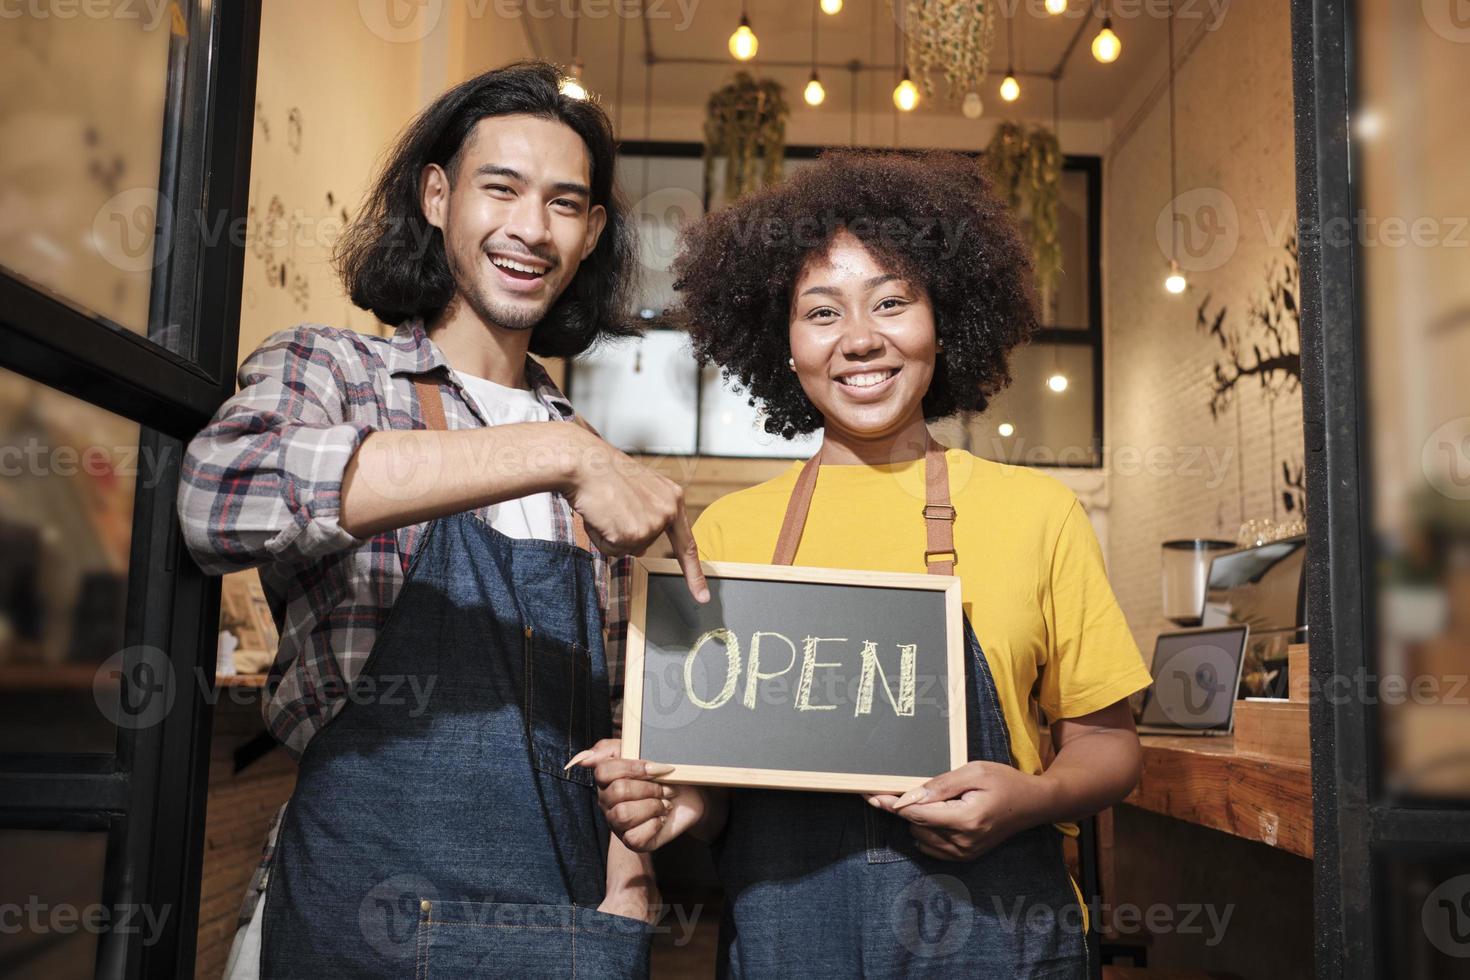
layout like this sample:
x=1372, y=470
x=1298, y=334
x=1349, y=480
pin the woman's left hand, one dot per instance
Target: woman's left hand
x=961, y=814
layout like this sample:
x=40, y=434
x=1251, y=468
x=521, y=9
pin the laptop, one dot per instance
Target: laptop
x=1196, y=678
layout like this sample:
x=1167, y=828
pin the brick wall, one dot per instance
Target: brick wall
x=1174, y=470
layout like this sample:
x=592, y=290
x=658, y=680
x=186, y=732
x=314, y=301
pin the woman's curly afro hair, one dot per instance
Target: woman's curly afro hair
x=929, y=217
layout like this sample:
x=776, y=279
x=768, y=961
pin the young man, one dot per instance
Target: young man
x=421, y=508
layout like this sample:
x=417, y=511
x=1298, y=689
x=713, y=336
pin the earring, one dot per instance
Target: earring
x=791, y=362
x=939, y=345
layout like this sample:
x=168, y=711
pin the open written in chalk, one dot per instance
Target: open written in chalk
x=796, y=678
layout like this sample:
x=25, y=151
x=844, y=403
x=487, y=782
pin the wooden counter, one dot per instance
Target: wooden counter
x=1204, y=780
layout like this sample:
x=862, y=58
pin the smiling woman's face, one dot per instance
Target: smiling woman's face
x=863, y=341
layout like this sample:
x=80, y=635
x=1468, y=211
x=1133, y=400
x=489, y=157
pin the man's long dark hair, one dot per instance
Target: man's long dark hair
x=392, y=261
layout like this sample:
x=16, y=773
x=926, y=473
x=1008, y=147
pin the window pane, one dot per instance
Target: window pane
x=640, y=393
x=1413, y=243
x=665, y=194
x=52, y=900
x=1426, y=912
x=1066, y=304
x=80, y=153
x=729, y=426
x=1032, y=422
x=67, y=476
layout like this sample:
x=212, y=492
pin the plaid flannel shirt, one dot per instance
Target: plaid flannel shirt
x=261, y=486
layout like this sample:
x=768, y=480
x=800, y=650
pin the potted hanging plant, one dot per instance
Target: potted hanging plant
x=745, y=125
x=1026, y=167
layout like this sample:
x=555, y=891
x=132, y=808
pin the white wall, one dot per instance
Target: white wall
x=354, y=78
x=1175, y=471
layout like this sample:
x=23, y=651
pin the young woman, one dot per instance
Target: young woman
x=865, y=295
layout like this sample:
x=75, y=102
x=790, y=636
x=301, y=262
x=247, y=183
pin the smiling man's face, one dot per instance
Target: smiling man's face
x=517, y=216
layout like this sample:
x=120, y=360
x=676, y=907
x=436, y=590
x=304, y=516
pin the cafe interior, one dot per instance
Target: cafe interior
x=1247, y=220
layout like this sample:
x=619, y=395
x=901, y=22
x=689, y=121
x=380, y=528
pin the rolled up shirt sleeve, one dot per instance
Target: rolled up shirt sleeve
x=263, y=481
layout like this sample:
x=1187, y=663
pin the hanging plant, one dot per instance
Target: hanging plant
x=1026, y=166
x=951, y=38
x=745, y=125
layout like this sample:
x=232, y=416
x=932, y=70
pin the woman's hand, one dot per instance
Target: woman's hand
x=961, y=814
x=645, y=814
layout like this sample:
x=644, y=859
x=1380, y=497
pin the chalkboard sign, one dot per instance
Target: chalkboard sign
x=794, y=677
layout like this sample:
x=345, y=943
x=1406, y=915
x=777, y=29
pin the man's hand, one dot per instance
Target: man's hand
x=644, y=814
x=402, y=477
x=627, y=506
x=961, y=814
x=632, y=903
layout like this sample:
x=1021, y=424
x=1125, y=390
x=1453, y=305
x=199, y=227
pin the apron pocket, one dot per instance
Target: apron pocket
x=888, y=837
x=495, y=939
x=558, y=705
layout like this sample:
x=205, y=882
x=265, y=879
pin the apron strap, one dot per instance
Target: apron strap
x=431, y=407
x=939, y=513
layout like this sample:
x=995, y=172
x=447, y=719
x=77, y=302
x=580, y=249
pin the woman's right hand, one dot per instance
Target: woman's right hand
x=645, y=814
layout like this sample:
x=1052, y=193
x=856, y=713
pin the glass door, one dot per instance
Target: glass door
x=1385, y=309
x=124, y=151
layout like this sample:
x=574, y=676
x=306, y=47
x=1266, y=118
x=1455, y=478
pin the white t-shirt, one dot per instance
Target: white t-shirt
x=524, y=517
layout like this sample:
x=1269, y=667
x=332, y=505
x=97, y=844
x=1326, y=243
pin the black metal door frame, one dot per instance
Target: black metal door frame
x=149, y=795
x=1357, y=826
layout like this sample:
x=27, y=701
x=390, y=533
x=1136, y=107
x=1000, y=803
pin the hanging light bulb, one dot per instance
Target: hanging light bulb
x=832, y=7
x=814, y=93
x=1175, y=282
x=1106, y=47
x=1057, y=382
x=743, y=43
x=1010, y=89
x=1006, y=430
x=906, y=93
x=972, y=107
x=1056, y=7
x=572, y=86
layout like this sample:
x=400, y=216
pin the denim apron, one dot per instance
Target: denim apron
x=825, y=885
x=450, y=842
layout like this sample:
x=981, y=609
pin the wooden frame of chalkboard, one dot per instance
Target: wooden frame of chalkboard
x=806, y=779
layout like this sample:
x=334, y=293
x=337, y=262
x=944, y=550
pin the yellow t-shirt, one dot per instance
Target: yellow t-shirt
x=1032, y=578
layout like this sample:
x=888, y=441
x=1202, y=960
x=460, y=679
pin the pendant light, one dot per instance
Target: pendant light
x=743, y=43
x=1174, y=282
x=647, y=312
x=572, y=86
x=814, y=93
x=1010, y=89
x=1058, y=380
x=905, y=93
x=618, y=76
x=1105, y=46
x=1056, y=7
x=973, y=107
x=831, y=7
